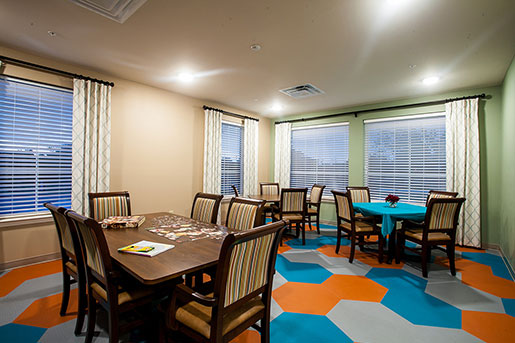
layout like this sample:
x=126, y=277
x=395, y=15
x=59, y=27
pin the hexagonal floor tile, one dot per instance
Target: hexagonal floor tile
x=351, y=287
x=21, y=333
x=301, y=272
x=305, y=298
x=14, y=278
x=336, y=265
x=368, y=257
x=305, y=328
x=490, y=327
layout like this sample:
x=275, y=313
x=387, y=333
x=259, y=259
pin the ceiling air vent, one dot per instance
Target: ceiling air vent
x=302, y=91
x=117, y=10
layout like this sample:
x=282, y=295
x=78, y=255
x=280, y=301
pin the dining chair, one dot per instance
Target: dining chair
x=235, y=189
x=205, y=207
x=242, y=290
x=315, y=201
x=293, y=209
x=355, y=227
x=359, y=194
x=244, y=214
x=108, y=204
x=440, y=194
x=72, y=263
x=115, y=292
x=437, y=229
x=269, y=188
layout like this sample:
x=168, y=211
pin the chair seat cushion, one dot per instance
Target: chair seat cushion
x=198, y=317
x=70, y=265
x=432, y=236
x=312, y=211
x=123, y=296
x=360, y=226
x=290, y=217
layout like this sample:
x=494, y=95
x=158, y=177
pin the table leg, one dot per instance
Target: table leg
x=391, y=246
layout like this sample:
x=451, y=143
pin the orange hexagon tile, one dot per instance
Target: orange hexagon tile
x=465, y=249
x=353, y=287
x=369, y=258
x=283, y=248
x=490, y=327
x=481, y=277
x=44, y=312
x=305, y=298
x=14, y=278
x=248, y=336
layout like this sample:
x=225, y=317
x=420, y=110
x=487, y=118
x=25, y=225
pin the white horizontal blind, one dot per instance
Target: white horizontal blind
x=405, y=157
x=35, y=146
x=232, y=157
x=320, y=155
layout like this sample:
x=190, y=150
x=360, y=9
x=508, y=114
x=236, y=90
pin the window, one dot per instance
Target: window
x=320, y=155
x=405, y=157
x=232, y=157
x=35, y=146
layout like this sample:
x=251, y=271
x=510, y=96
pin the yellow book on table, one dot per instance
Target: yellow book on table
x=146, y=248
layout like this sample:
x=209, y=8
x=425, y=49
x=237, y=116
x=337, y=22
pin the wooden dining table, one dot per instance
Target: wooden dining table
x=275, y=198
x=187, y=256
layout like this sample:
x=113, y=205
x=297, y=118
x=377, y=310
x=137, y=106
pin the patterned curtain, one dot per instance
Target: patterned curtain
x=250, y=157
x=282, y=154
x=462, y=135
x=90, y=142
x=212, y=151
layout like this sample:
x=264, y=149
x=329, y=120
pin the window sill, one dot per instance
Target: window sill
x=24, y=220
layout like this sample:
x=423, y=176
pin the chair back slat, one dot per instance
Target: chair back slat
x=316, y=194
x=104, y=205
x=269, y=188
x=359, y=194
x=293, y=200
x=243, y=213
x=205, y=207
x=343, y=205
x=248, y=268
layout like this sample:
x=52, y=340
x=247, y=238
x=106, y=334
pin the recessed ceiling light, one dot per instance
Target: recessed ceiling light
x=277, y=107
x=412, y=66
x=255, y=47
x=52, y=33
x=430, y=80
x=186, y=77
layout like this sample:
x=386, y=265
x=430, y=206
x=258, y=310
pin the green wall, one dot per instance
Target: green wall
x=490, y=115
x=507, y=213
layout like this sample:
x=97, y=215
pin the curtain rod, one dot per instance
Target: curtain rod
x=378, y=109
x=241, y=116
x=30, y=65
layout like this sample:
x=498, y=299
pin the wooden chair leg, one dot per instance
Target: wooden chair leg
x=381, y=247
x=309, y=221
x=265, y=327
x=338, y=239
x=82, y=308
x=451, y=256
x=113, y=326
x=318, y=223
x=352, y=247
x=66, y=292
x=303, y=228
x=424, y=260
x=400, y=247
x=92, y=313
x=361, y=243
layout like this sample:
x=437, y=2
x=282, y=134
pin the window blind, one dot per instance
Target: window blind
x=232, y=157
x=35, y=146
x=320, y=154
x=405, y=157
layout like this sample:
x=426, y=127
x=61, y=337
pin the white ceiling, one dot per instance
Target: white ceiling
x=357, y=51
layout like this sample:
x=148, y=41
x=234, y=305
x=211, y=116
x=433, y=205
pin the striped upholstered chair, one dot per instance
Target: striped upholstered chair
x=293, y=208
x=73, y=263
x=359, y=194
x=205, y=207
x=355, y=227
x=242, y=292
x=438, y=228
x=108, y=204
x=269, y=188
x=107, y=286
x=315, y=200
x=439, y=194
x=244, y=214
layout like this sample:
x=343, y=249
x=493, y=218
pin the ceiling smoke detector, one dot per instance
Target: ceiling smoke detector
x=302, y=91
x=117, y=10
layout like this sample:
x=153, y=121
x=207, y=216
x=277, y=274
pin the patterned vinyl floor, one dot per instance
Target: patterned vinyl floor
x=318, y=297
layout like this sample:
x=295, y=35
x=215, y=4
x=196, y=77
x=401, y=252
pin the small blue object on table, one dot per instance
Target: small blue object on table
x=390, y=214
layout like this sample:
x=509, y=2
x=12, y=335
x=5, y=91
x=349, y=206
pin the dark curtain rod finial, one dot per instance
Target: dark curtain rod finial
x=389, y=108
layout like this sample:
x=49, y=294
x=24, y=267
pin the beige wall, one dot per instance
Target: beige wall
x=156, y=152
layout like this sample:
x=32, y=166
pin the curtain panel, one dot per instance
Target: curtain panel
x=212, y=151
x=463, y=166
x=282, y=154
x=250, y=157
x=91, y=141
